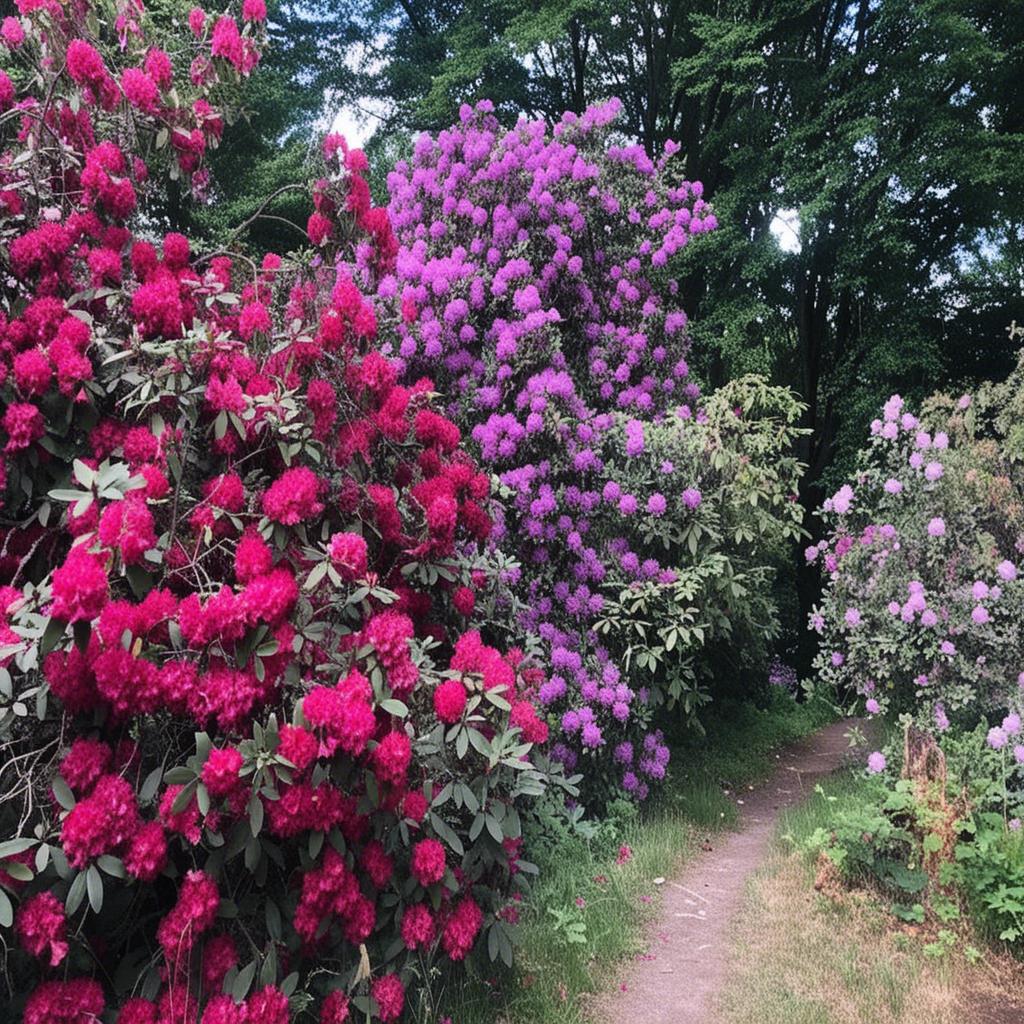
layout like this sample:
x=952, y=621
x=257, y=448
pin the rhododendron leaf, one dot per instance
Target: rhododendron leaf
x=111, y=865
x=139, y=580
x=94, y=884
x=273, y=919
x=204, y=745
x=184, y=798
x=179, y=775
x=253, y=854
x=42, y=858
x=62, y=793
x=13, y=846
x=255, y=813
x=60, y=862
x=480, y=742
x=81, y=631
x=395, y=707
x=6, y=910
x=68, y=495
x=84, y=474
x=243, y=981
x=268, y=972
x=54, y=630
x=19, y=872
x=75, y=894
x=444, y=830
x=511, y=824
x=497, y=700
x=462, y=743
x=315, y=844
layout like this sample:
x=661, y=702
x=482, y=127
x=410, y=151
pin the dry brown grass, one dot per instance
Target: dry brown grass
x=802, y=957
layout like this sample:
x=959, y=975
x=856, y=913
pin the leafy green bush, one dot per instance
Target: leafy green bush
x=712, y=618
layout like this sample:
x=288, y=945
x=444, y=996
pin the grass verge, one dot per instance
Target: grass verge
x=803, y=958
x=588, y=909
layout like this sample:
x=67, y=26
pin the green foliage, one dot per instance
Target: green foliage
x=891, y=835
x=990, y=868
x=715, y=620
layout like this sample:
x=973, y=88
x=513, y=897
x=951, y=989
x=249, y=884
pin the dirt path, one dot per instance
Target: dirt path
x=677, y=979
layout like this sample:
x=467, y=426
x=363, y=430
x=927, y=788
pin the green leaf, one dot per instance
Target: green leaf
x=184, y=798
x=316, y=575
x=55, y=629
x=6, y=910
x=13, y=846
x=62, y=793
x=268, y=972
x=273, y=919
x=445, y=831
x=179, y=775
x=255, y=814
x=243, y=982
x=111, y=865
x=18, y=871
x=94, y=883
x=151, y=784
x=75, y=894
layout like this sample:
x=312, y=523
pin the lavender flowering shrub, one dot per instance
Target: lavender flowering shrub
x=534, y=283
x=923, y=610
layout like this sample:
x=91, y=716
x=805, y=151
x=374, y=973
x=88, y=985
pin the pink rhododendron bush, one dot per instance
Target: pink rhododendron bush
x=258, y=763
x=534, y=281
x=923, y=611
x=922, y=620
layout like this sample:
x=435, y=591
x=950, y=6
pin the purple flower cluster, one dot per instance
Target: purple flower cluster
x=922, y=609
x=532, y=283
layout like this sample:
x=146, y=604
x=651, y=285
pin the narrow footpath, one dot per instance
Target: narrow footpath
x=678, y=978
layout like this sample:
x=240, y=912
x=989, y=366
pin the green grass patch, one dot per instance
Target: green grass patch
x=587, y=911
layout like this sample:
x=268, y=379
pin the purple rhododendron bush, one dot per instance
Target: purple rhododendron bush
x=258, y=764
x=923, y=611
x=922, y=622
x=534, y=282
